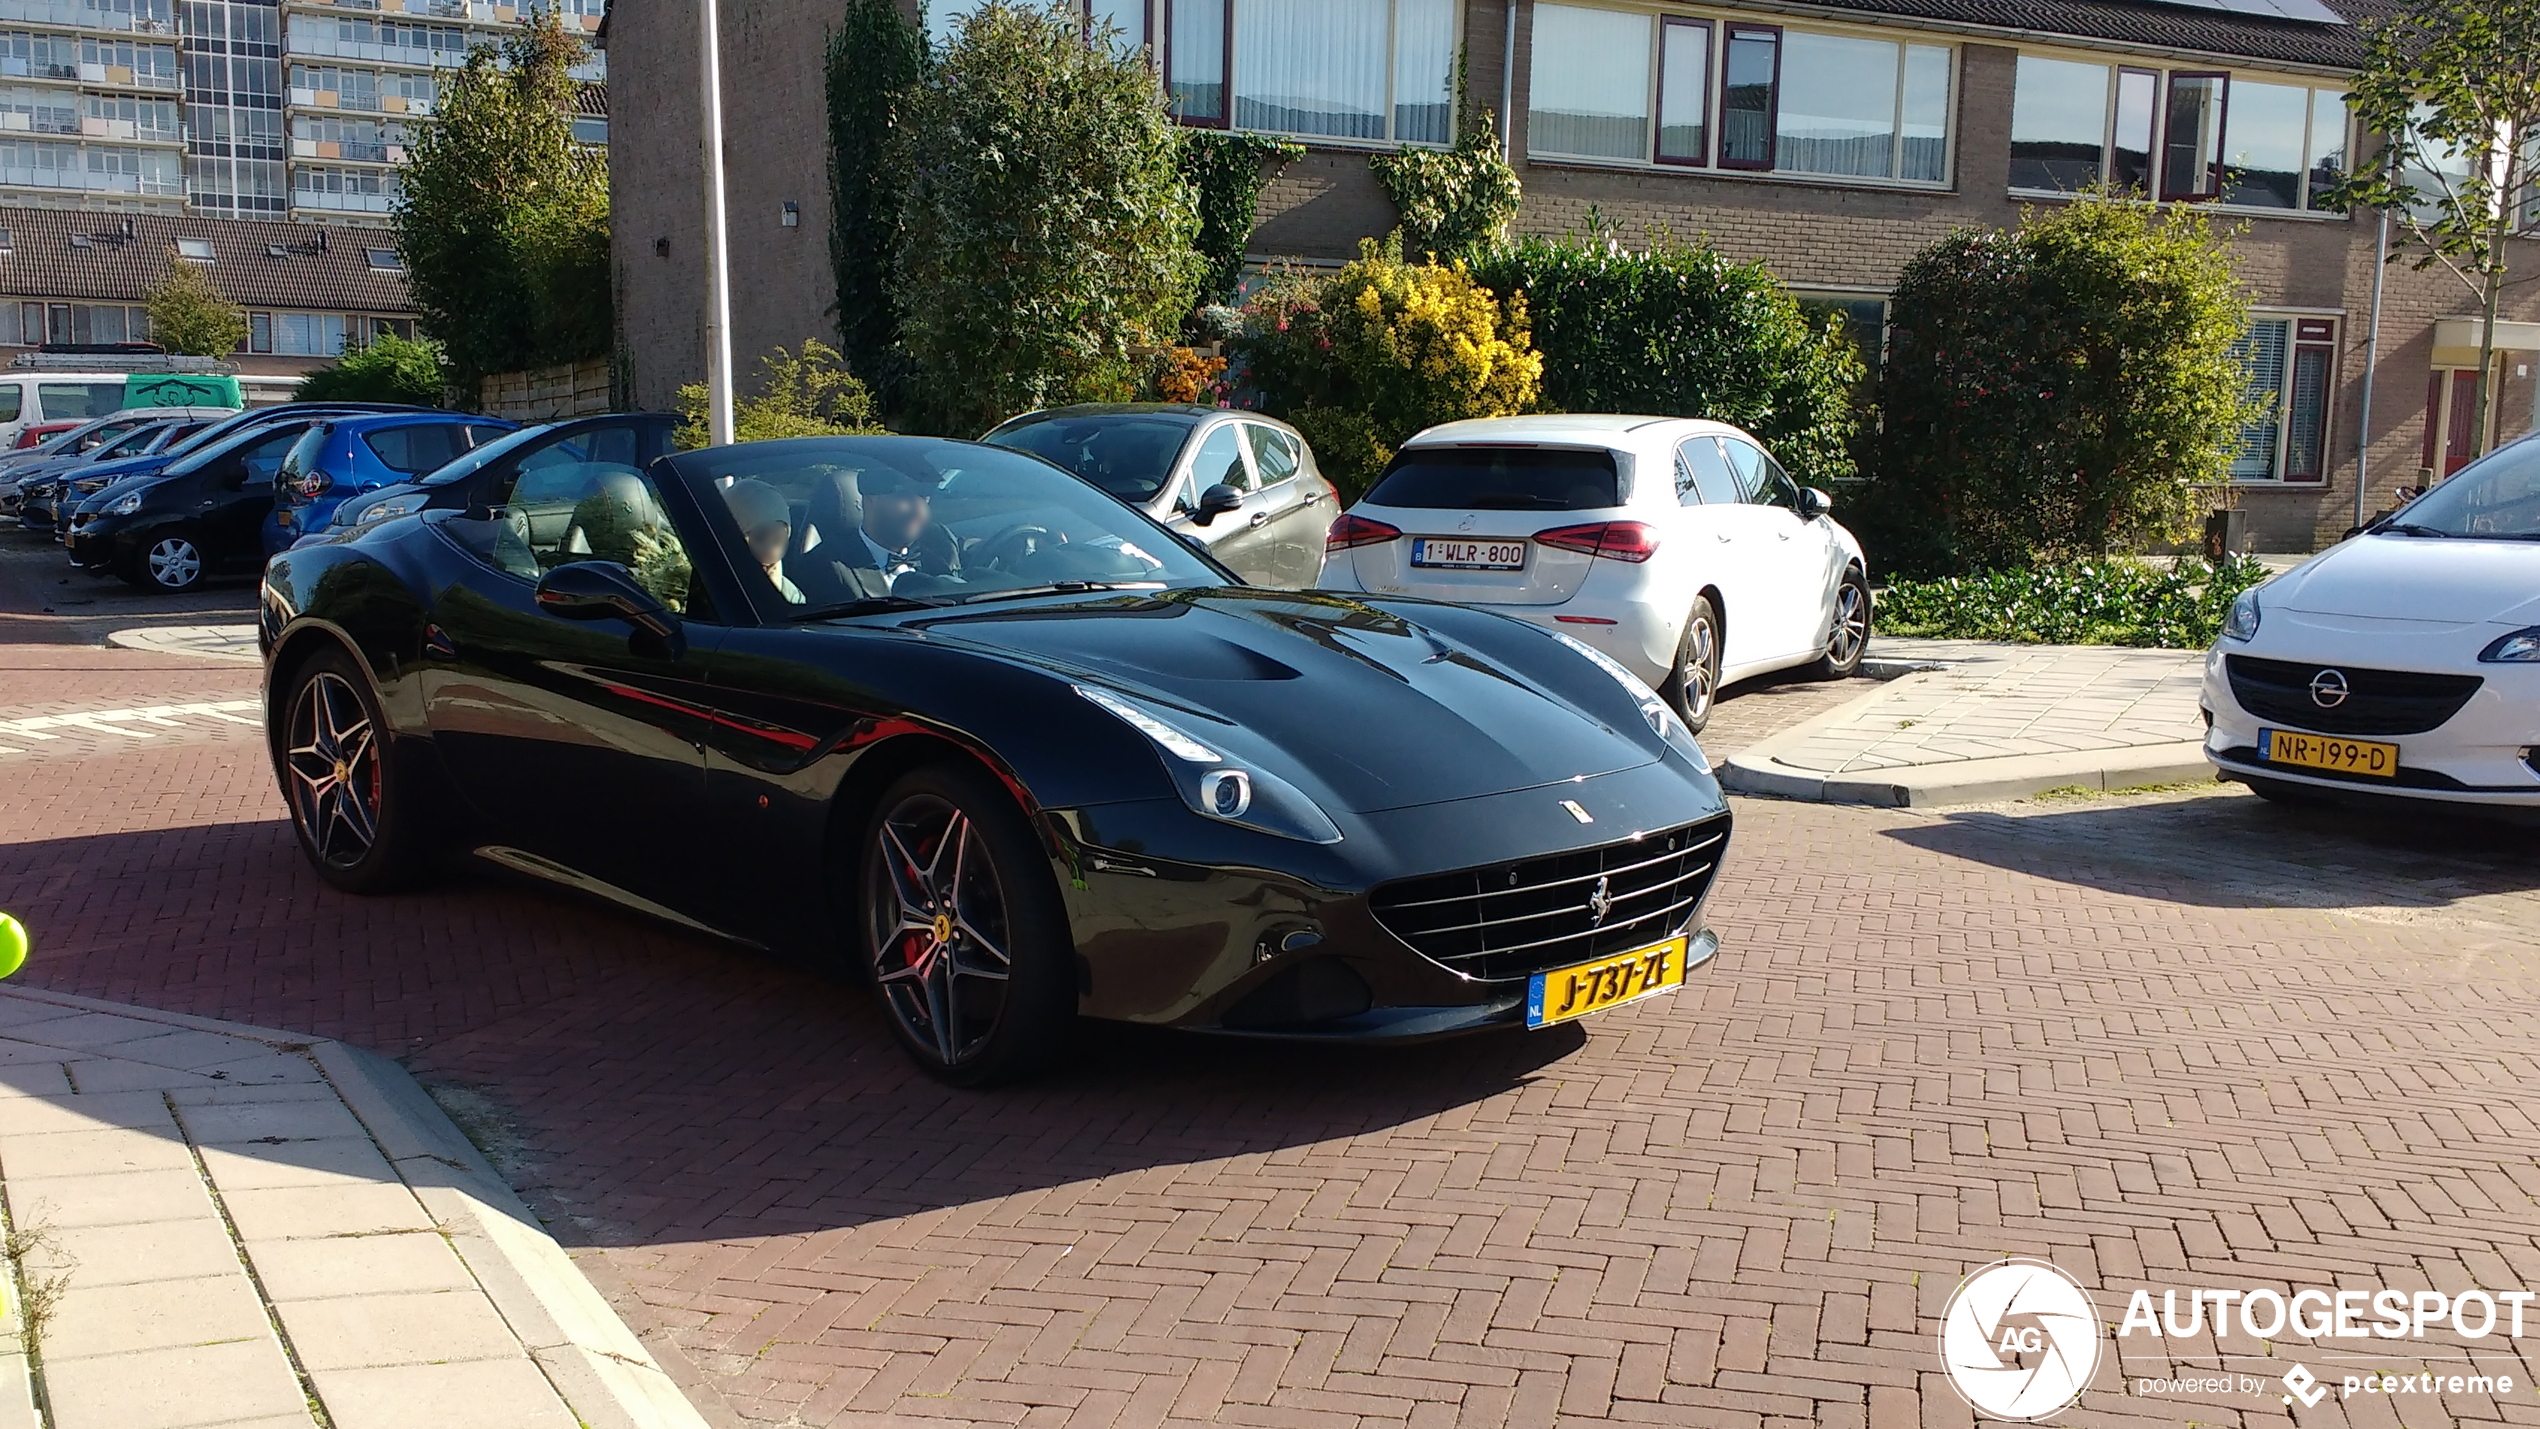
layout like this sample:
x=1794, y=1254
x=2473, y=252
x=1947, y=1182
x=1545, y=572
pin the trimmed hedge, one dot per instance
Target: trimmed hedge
x=1681, y=331
x=2111, y=602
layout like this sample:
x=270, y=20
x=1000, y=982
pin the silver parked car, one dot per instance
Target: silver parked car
x=1241, y=485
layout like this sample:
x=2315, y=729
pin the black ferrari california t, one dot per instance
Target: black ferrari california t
x=997, y=741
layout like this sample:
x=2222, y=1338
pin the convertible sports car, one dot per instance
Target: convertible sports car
x=954, y=718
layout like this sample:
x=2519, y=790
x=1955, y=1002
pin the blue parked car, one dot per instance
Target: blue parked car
x=349, y=456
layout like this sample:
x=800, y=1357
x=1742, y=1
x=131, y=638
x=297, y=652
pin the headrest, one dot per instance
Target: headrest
x=754, y=504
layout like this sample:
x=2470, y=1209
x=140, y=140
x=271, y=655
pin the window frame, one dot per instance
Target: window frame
x=2317, y=141
x=1160, y=46
x=1729, y=33
x=2314, y=334
x=2209, y=187
x=1712, y=49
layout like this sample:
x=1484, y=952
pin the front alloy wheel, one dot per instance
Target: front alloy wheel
x=963, y=933
x=173, y=563
x=1849, y=637
x=347, y=804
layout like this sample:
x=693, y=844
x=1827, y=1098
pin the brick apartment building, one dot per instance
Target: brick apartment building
x=1831, y=140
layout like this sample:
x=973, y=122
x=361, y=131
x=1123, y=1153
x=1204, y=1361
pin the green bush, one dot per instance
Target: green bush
x=1045, y=231
x=2054, y=393
x=1681, y=331
x=1362, y=358
x=875, y=54
x=389, y=369
x=2106, y=602
x=806, y=394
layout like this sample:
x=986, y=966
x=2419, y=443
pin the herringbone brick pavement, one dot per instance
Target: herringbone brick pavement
x=2174, y=1041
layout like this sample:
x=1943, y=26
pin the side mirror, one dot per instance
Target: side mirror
x=1216, y=501
x=1813, y=503
x=605, y=590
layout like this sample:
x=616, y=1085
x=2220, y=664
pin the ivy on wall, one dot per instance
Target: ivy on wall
x=1456, y=202
x=1226, y=173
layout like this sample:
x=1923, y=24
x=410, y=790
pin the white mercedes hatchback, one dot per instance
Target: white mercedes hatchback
x=2402, y=662
x=1678, y=548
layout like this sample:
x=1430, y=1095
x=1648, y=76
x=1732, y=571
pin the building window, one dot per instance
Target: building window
x=1317, y=68
x=2291, y=367
x=194, y=250
x=33, y=324
x=39, y=111
x=1786, y=101
x=34, y=56
x=384, y=260
x=1574, y=104
x=2247, y=143
x=591, y=130
x=297, y=334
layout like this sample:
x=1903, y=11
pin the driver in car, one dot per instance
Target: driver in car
x=898, y=531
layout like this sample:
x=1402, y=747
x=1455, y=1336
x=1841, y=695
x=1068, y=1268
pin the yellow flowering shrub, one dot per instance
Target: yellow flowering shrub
x=1361, y=358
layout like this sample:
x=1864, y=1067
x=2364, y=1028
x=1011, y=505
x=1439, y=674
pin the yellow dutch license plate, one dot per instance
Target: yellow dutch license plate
x=2320, y=751
x=1571, y=992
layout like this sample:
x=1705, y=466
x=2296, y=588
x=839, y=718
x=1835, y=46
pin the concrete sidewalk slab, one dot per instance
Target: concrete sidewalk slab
x=232, y=1225
x=1970, y=721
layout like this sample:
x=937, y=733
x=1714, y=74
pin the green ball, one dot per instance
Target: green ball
x=13, y=943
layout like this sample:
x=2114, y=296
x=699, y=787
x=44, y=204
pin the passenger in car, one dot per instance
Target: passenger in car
x=767, y=527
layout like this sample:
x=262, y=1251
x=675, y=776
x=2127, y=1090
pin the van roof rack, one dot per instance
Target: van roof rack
x=115, y=357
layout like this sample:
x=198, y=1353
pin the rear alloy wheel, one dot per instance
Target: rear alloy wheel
x=1696, y=681
x=963, y=931
x=1849, y=638
x=348, y=804
x=172, y=562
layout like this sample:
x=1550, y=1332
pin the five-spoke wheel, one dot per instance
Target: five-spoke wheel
x=963, y=934
x=346, y=798
x=1696, y=681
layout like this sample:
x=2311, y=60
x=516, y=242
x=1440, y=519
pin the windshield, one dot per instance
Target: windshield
x=281, y=436
x=2496, y=497
x=829, y=525
x=1128, y=455
x=475, y=461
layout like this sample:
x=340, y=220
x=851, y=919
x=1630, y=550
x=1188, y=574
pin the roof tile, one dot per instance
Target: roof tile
x=126, y=254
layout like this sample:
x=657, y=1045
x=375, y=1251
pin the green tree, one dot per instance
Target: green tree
x=389, y=368
x=1045, y=234
x=2453, y=88
x=1680, y=331
x=190, y=316
x=875, y=54
x=1455, y=203
x=1362, y=358
x=2055, y=392
x=805, y=394
x=503, y=219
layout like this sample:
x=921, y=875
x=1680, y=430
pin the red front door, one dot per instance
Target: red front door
x=2460, y=431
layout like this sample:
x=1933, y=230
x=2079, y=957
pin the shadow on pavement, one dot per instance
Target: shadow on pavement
x=641, y=1084
x=2235, y=850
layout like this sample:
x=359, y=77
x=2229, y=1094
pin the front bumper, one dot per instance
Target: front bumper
x=2486, y=754
x=93, y=547
x=1216, y=941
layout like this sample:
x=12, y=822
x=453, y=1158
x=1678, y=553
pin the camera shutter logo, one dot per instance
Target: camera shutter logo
x=2020, y=1339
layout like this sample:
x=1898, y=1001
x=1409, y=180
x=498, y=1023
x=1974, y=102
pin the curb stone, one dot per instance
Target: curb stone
x=604, y=1374
x=1755, y=770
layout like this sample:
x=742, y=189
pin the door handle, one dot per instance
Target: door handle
x=1259, y=518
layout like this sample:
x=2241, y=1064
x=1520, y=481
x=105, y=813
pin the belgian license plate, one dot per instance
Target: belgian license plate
x=1469, y=555
x=2320, y=751
x=1572, y=992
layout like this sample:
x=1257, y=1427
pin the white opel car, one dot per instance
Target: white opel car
x=1679, y=548
x=2403, y=662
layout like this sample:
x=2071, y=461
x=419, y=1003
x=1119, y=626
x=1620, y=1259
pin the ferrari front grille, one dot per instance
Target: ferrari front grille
x=1513, y=920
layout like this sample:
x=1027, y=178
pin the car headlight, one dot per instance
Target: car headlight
x=2242, y=623
x=123, y=505
x=2520, y=648
x=389, y=510
x=1221, y=786
x=1653, y=708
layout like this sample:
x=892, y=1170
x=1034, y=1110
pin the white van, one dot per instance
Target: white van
x=27, y=396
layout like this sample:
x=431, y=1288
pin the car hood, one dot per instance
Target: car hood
x=2438, y=580
x=1382, y=708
